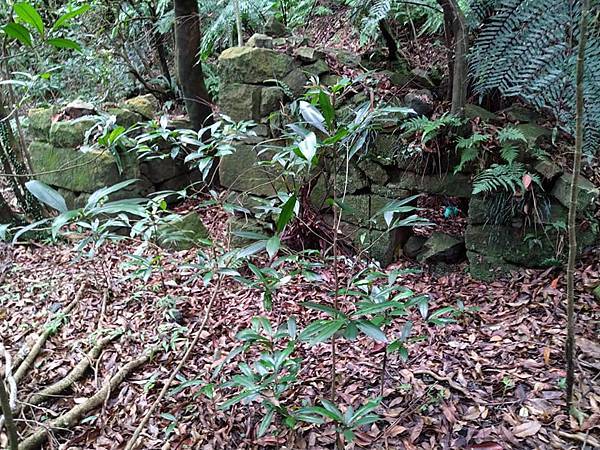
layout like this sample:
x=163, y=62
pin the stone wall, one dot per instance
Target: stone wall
x=251, y=88
x=61, y=160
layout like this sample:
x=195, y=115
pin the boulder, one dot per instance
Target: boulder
x=385, y=149
x=374, y=172
x=414, y=246
x=344, y=57
x=354, y=181
x=529, y=248
x=71, y=133
x=253, y=65
x=296, y=81
x=88, y=171
x=240, y=171
x=308, y=54
x=487, y=268
x=587, y=193
x=145, y=105
x=240, y=224
x=534, y=134
x=260, y=41
x=548, y=170
x=125, y=117
x=317, y=68
x=442, y=248
x=275, y=28
x=182, y=232
x=421, y=101
x=78, y=108
x=240, y=101
x=271, y=99
x=458, y=185
x=474, y=111
x=520, y=114
x=40, y=121
x=363, y=210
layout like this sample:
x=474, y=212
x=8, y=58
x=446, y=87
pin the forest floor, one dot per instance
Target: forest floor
x=491, y=380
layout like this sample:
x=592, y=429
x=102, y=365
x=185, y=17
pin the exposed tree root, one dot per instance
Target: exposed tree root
x=74, y=375
x=132, y=443
x=39, y=345
x=75, y=414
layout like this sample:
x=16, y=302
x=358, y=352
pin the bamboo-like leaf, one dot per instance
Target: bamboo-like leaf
x=28, y=14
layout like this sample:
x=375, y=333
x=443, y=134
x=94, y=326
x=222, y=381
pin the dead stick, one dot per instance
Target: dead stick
x=37, y=347
x=74, y=375
x=136, y=435
x=8, y=416
x=74, y=415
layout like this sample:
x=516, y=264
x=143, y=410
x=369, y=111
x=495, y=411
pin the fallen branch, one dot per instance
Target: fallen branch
x=10, y=380
x=39, y=345
x=585, y=439
x=136, y=435
x=10, y=423
x=75, y=414
x=74, y=375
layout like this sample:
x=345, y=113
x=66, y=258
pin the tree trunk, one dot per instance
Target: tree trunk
x=8, y=416
x=456, y=39
x=570, y=344
x=189, y=70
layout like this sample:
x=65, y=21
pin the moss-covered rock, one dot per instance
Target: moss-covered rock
x=71, y=133
x=253, y=65
x=182, y=232
x=145, y=105
x=474, y=111
x=240, y=171
x=596, y=292
x=296, y=81
x=457, y=185
x=374, y=172
x=442, y=248
x=487, y=268
x=258, y=40
x=240, y=101
x=76, y=171
x=587, y=193
x=40, y=122
x=125, y=117
x=363, y=210
x=270, y=100
x=535, y=248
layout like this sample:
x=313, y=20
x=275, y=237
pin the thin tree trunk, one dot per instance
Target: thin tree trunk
x=189, y=70
x=8, y=417
x=570, y=344
x=457, y=39
x=238, y=22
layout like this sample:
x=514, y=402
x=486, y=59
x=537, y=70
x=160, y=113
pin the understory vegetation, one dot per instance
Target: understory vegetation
x=300, y=224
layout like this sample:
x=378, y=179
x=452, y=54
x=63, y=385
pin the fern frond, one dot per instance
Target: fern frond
x=502, y=177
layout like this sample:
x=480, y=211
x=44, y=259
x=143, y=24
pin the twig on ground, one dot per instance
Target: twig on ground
x=74, y=415
x=131, y=444
x=37, y=347
x=74, y=375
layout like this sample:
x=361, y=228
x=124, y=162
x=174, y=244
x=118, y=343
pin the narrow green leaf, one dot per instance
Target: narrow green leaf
x=287, y=212
x=266, y=422
x=18, y=32
x=327, y=108
x=64, y=43
x=65, y=18
x=273, y=245
x=47, y=195
x=29, y=14
x=371, y=330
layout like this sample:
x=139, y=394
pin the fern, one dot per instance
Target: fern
x=429, y=128
x=510, y=134
x=526, y=49
x=469, y=149
x=220, y=30
x=503, y=177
